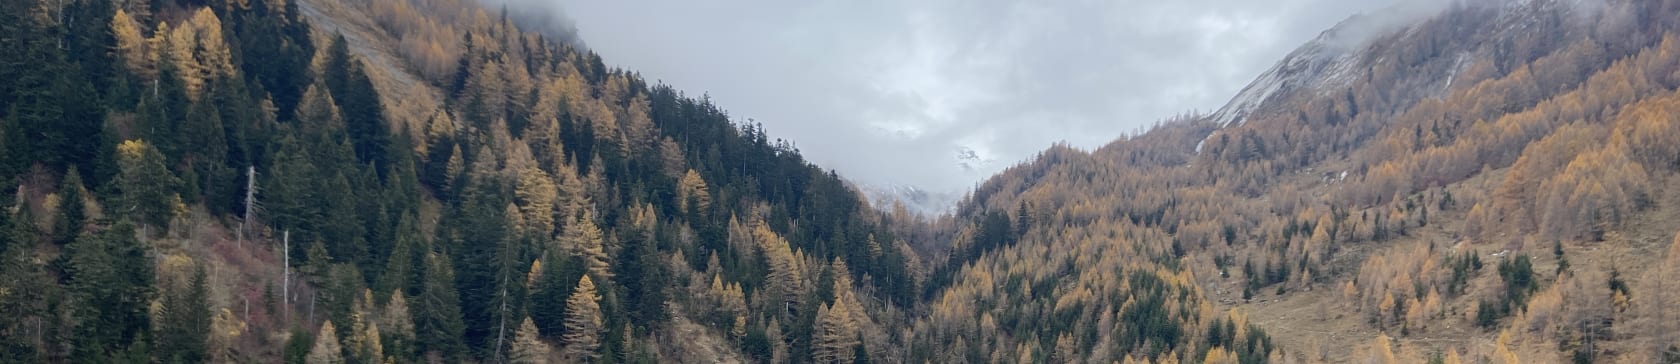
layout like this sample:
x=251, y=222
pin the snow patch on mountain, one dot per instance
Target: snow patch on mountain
x=1323, y=62
x=915, y=199
x=1328, y=61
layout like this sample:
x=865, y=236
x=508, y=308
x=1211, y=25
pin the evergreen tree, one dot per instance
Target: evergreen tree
x=72, y=208
x=30, y=68
x=402, y=182
x=489, y=259
x=400, y=273
x=860, y=355
x=88, y=39
x=363, y=114
x=28, y=301
x=183, y=325
x=79, y=126
x=19, y=235
x=437, y=311
x=290, y=192
x=203, y=137
x=641, y=273
x=276, y=48
x=339, y=294
x=554, y=286
x=111, y=288
x=161, y=110
x=298, y=346
x=511, y=290
x=245, y=129
x=147, y=187
x=340, y=228
x=375, y=219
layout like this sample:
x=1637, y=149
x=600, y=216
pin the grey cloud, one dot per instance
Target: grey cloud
x=888, y=92
x=547, y=17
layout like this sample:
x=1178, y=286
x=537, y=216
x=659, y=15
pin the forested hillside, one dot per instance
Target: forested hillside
x=222, y=181
x=1491, y=184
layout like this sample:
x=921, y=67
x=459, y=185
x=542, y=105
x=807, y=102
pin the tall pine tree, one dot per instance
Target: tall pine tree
x=148, y=188
x=183, y=326
x=554, y=286
x=437, y=312
x=72, y=208
x=30, y=291
x=364, y=117
x=111, y=288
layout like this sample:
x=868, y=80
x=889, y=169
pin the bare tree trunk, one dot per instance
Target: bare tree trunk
x=501, y=326
x=250, y=200
x=1661, y=325
x=286, y=275
x=1657, y=304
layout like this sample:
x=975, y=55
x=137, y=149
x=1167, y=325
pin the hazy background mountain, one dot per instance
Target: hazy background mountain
x=885, y=91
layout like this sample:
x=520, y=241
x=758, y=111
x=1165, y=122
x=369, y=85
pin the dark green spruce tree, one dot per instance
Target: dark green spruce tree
x=403, y=265
x=559, y=277
x=437, y=312
x=110, y=288
x=72, y=209
x=147, y=187
x=364, y=117
x=204, y=141
x=33, y=298
x=639, y=270
x=32, y=75
x=183, y=327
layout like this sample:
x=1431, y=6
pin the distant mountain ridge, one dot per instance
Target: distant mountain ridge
x=915, y=199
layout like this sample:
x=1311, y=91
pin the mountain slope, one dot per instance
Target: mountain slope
x=404, y=181
x=1357, y=184
x=425, y=180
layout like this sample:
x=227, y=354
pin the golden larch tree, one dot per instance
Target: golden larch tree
x=131, y=45
x=583, y=322
x=785, y=279
x=528, y=348
x=582, y=238
x=1382, y=351
x=397, y=324
x=836, y=334
x=693, y=188
x=326, y=349
x=671, y=158
x=1502, y=353
x=1218, y=355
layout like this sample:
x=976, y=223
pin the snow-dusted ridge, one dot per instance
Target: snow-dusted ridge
x=914, y=199
x=1327, y=60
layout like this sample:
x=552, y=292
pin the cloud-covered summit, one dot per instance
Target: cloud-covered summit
x=890, y=92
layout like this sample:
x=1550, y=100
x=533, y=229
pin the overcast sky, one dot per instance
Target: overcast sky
x=892, y=91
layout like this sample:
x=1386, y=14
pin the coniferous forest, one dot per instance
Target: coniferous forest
x=213, y=181
x=405, y=181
